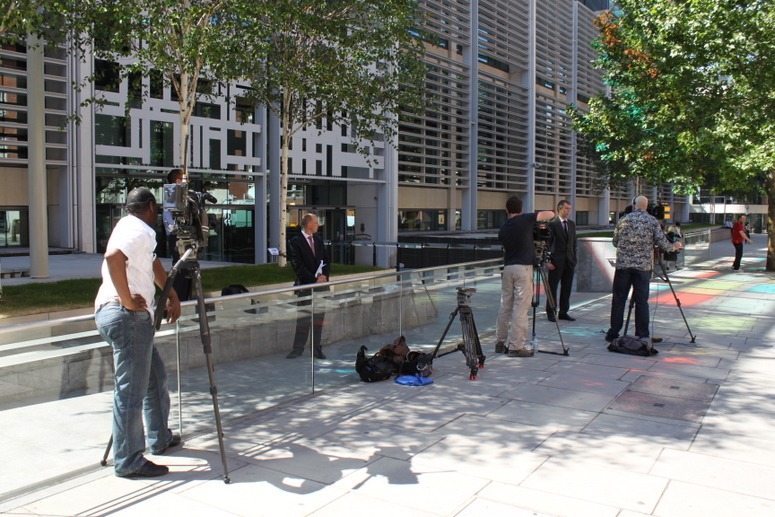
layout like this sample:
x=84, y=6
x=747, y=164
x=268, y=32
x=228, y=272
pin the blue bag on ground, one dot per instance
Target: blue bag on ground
x=413, y=380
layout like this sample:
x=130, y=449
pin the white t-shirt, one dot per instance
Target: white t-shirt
x=137, y=241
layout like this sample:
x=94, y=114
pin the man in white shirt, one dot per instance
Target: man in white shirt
x=124, y=313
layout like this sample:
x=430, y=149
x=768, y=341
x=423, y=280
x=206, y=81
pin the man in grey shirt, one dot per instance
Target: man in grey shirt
x=635, y=237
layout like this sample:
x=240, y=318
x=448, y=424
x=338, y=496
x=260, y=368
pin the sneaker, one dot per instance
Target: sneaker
x=522, y=352
x=148, y=470
x=500, y=348
x=174, y=442
x=609, y=339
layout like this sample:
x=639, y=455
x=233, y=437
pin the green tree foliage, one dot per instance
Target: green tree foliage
x=350, y=63
x=180, y=39
x=692, y=96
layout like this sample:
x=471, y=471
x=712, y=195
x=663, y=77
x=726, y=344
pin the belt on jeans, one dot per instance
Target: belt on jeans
x=112, y=302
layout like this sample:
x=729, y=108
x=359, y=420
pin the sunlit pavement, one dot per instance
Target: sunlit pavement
x=690, y=431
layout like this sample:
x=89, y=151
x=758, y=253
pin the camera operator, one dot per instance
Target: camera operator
x=635, y=238
x=516, y=235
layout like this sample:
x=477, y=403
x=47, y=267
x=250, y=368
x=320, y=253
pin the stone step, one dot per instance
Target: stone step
x=15, y=273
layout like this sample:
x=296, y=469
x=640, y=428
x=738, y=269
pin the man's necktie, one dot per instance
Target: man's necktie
x=565, y=227
x=311, y=243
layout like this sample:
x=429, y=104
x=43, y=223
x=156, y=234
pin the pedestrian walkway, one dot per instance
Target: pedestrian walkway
x=687, y=432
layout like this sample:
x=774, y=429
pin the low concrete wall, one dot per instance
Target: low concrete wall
x=594, y=269
x=85, y=364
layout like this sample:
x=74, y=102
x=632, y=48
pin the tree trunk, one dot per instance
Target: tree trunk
x=185, y=118
x=285, y=142
x=770, y=220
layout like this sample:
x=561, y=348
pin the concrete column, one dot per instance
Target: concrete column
x=574, y=147
x=529, y=199
x=387, y=207
x=272, y=169
x=36, y=163
x=81, y=157
x=260, y=190
x=469, y=205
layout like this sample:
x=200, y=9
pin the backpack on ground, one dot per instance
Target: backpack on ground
x=233, y=289
x=397, y=351
x=417, y=363
x=633, y=346
x=375, y=368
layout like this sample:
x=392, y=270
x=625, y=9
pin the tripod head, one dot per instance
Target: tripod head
x=464, y=296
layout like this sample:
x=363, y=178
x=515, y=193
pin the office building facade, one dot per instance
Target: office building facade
x=499, y=80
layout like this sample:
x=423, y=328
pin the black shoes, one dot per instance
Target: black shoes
x=566, y=317
x=522, y=352
x=551, y=318
x=174, y=442
x=500, y=347
x=148, y=470
x=294, y=354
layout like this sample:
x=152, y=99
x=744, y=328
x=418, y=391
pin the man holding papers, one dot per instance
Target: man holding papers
x=311, y=264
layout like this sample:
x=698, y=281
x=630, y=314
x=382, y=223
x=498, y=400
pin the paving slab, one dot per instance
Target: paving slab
x=551, y=435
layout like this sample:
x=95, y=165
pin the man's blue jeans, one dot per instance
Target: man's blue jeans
x=624, y=279
x=140, y=386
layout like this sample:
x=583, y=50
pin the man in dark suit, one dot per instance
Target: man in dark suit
x=311, y=264
x=562, y=261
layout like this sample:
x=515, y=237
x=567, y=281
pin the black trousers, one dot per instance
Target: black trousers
x=738, y=255
x=561, y=275
x=304, y=320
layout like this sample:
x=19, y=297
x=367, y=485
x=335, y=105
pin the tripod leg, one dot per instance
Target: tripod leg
x=550, y=301
x=535, y=303
x=444, y=334
x=677, y=301
x=204, y=333
x=629, y=312
x=472, y=348
x=104, y=460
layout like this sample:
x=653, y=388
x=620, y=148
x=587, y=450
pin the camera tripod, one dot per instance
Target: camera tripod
x=664, y=276
x=470, y=347
x=190, y=258
x=541, y=278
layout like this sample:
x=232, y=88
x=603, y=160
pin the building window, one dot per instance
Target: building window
x=17, y=99
x=107, y=75
x=236, y=143
x=215, y=154
x=207, y=110
x=156, y=83
x=244, y=109
x=162, y=144
x=110, y=130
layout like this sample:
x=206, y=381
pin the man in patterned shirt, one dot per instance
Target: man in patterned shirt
x=634, y=238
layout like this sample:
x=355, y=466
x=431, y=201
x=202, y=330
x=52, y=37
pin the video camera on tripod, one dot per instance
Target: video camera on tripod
x=189, y=213
x=542, y=240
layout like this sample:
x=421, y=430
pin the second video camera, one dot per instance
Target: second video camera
x=187, y=207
